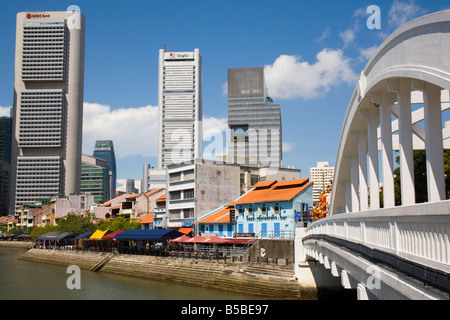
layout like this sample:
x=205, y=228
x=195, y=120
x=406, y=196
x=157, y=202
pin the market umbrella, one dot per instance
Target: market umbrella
x=215, y=239
x=197, y=239
x=183, y=238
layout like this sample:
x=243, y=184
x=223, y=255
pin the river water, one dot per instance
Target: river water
x=25, y=280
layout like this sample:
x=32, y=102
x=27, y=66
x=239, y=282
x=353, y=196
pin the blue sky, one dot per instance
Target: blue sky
x=313, y=52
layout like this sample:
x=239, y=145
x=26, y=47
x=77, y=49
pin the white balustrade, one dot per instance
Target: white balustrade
x=419, y=233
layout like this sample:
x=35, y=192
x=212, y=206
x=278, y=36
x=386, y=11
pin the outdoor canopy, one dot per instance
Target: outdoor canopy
x=54, y=236
x=83, y=235
x=112, y=234
x=153, y=234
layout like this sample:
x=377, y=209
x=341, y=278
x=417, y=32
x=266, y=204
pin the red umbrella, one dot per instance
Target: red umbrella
x=197, y=239
x=215, y=239
x=183, y=238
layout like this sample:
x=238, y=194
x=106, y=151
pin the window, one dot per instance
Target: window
x=175, y=195
x=276, y=209
x=189, y=194
x=249, y=211
x=188, y=213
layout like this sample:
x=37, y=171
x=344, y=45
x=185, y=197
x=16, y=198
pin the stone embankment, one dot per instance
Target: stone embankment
x=266, y=281
x=16, y=244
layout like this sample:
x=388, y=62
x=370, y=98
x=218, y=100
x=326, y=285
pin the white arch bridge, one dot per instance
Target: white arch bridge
x=384, y=250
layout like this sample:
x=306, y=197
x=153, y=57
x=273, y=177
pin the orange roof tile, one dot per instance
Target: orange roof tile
x=147, y=219
x=264, y=184
x=131, y=196
x=150, y=192
x=285, y=190
x=221, y=216
x=162, y=198
x=112, y=200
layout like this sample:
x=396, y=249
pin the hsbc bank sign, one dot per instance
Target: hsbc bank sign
x=178, y=55
x=38, y=15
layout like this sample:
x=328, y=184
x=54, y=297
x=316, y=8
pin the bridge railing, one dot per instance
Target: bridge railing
x=419, y=233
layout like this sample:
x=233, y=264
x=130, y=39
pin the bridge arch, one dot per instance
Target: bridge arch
x=388, y=251
x=411, y=66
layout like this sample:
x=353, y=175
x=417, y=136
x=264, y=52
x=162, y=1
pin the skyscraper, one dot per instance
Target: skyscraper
x=104, y=149
x=254, y=121
x=48, y=105
x=180, y=107
x=5, y=163
x=95, y=178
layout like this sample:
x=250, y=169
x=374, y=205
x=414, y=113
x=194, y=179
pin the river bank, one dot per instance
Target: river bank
x=267, y=282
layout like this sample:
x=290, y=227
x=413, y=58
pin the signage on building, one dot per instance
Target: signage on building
x=38, y=15
x=178, y=55
x=244, y=235
x=232, y=217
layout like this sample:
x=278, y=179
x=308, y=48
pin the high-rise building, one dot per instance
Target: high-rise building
x=180, y=107
x=254, y=121
x=5, y=163
x=322, y=177
x=153, y=178
x=95, y=178
x=104, y=149
x=48, y=105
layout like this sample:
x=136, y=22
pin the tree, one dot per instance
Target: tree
x=119, y=223
x=420, y=177
x=76, y=224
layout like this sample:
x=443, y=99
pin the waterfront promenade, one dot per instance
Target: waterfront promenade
x=268, y=281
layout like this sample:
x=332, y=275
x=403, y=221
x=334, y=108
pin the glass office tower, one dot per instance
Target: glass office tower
x=104, y=149
x=254, y=121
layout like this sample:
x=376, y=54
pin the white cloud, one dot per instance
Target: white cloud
x=367, y=53
x=5, y=111
x=288, y=146
x=325, y=34
x=134, y=131
x=404, y=11
x=212, y=126
x=289, y=77
x=348, y=36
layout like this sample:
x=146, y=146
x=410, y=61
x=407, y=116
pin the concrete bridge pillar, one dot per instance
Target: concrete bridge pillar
x=433, y=143
x=372, y=145
x=403, y=89
x=383, y=99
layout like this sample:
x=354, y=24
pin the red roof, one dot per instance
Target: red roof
x=183, y=238
x=112, y=234
x=197, y=239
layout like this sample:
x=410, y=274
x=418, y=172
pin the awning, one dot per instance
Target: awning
x=197, y=239
x=112, y=234
x=183, y=238
x=98, y=234
x=185, y=230
x=215, y=239
x=55, y=236
x=84, y=235
x=153, y=234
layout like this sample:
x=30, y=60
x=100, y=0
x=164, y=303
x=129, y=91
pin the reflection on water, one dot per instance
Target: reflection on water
x=38, y=281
